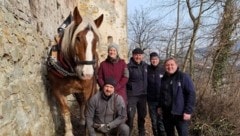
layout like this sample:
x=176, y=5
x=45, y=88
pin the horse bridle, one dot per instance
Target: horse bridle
x=85, y=62
x=88, y=62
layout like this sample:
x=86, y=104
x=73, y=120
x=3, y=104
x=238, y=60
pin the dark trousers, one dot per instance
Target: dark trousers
x=156, y=119
x=170, y=121
x=138, y=103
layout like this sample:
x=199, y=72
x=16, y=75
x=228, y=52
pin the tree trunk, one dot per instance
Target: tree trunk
x=176, y=34
x=196, y=22
x=225, y=44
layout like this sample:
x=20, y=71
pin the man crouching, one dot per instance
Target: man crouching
x=106, y=113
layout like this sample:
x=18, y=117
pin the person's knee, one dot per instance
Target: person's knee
x=131, y=112
x=123, y=130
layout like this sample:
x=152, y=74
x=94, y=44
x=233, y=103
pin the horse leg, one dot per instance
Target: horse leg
x=65, y=113
x=82, y=116
x=81, y=101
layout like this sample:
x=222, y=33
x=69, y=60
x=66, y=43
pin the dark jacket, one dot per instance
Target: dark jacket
x=105, y=111
x=177, y=93
x=155, y=74
x=116, y=70
x=137, y=82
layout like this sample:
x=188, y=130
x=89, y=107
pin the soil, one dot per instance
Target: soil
x=148, y=126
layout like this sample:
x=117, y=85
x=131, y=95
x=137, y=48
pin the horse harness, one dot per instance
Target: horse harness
x=62, y=67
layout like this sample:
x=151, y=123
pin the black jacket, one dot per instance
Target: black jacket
x=137, y=82
x=155, y=74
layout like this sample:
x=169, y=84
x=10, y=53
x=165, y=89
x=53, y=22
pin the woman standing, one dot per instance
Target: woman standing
x=114, y=67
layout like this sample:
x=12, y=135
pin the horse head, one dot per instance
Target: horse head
x=79, y=44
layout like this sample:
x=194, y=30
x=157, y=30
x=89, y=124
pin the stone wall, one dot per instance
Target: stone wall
x=26, y=29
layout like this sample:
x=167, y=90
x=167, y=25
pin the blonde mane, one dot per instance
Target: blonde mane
x=70, y=34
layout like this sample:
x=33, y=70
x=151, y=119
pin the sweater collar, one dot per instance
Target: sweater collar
x=154, y=67
x=172, y=75
x=105, y=97
x=112, y=60
x=133, y=62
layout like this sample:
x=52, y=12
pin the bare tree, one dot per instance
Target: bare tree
x=223, y=50
x=208, y=37
x=143, y=29
x=196, y=23
x=177, y=27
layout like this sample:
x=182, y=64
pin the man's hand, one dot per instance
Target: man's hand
x=186, y=116
x=104, y=128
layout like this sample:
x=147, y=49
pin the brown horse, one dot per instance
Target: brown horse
x=74, y=72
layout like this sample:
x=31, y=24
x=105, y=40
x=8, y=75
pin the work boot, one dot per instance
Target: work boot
x=162, y=133
x=155, y=133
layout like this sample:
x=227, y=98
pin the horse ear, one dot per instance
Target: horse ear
x=98, y=21
x=76, y=16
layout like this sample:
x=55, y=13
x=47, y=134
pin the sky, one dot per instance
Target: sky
x=165, y=12
x=135, y=4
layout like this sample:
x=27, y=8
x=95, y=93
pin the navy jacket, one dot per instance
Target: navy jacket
x=137, y=81
x=155, y=74
x=183, y=96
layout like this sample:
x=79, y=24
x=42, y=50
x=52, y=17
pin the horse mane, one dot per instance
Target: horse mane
x=71, y=32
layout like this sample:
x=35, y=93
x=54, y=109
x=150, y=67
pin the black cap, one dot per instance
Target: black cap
x=137, y=51
x=110, y=81
x=153, y=54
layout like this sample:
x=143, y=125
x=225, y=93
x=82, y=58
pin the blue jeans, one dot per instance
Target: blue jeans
x=170, y=121
x=156, y=119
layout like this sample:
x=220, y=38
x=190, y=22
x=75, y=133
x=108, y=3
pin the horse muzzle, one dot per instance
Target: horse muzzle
x=85, y=72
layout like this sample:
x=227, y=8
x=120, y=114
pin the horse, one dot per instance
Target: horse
x=75, y=69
